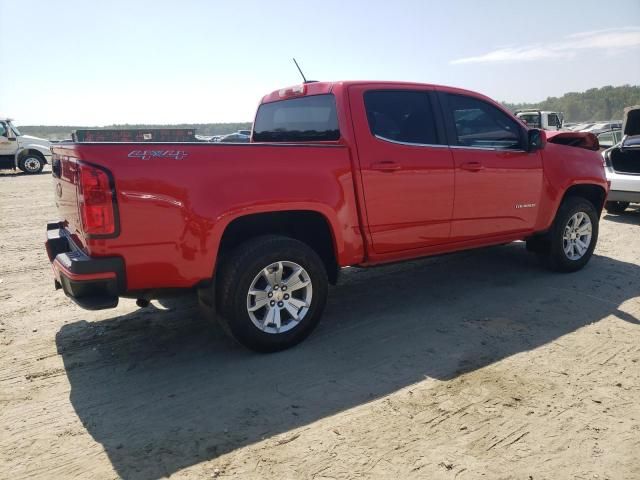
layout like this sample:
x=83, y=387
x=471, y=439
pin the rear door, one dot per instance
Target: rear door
x=407, y=168
x=498, y=183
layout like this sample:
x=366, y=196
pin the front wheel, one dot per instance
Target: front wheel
x=271, y=292
x=616, y=207
x=573, y=236
x=31, y=164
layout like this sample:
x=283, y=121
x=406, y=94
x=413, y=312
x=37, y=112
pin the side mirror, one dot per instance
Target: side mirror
x=536, y=139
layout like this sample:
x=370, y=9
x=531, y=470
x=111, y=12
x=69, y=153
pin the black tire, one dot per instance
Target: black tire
x=616, y=207
x=31, y=163
x=556, y=258
x=235, y=276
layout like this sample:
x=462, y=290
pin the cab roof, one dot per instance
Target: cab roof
x=319, y=88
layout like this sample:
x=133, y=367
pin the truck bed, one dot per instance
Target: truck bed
x=175, y=199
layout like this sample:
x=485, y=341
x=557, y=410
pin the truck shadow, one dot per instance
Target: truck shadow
x=163, y=390
x=631, y=216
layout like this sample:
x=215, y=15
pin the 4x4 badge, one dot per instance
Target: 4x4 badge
x=149, y=154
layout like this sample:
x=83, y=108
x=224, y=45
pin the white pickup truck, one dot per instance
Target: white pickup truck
x=541, y=119
x=29, y=154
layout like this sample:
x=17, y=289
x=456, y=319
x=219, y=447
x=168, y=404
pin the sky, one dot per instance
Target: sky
x=70, y=62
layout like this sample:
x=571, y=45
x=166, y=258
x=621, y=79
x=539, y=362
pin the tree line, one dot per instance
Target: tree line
x=606, y=103
x=62, y=132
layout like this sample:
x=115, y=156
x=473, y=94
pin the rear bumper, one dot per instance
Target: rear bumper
x=92, y=283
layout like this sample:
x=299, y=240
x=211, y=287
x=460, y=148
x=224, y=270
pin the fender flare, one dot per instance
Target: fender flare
x=331, y=217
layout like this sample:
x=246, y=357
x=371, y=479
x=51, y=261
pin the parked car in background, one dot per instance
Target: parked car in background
x=601, y=127
x=609, y=138
x=580, y=127
x=29, y=154
x=235, y=138
x=622, y=164
x=541, y=119
x=337, y=174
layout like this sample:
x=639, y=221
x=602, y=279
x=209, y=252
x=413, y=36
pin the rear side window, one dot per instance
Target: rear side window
x=554, y=121
x=304, y=119
x=401, y=116
x=481, y=125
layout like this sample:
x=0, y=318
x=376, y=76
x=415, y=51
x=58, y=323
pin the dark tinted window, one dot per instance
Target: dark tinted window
x=479, y=124
x=402, y=116
x=303, y=119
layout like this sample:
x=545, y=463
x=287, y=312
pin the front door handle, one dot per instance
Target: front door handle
x=472, y=166
x=387, y=166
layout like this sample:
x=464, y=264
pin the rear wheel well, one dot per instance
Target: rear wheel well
x=309, y=227
x=594, y=193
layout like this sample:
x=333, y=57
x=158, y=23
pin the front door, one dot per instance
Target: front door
x=498, y=183
x=406, y=166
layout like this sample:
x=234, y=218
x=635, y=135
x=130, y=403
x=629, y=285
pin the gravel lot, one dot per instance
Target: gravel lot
x=475, y=365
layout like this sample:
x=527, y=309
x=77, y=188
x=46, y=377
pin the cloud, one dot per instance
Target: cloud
x=567, y=47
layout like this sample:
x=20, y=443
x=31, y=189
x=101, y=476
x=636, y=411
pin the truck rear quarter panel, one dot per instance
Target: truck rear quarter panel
x=173, y=212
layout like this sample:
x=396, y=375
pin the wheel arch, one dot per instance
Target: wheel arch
x=26, y=151
x=313, y=227
x=592, y=192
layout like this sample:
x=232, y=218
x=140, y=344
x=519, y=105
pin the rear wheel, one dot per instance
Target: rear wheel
x=31, y=163
x=616, y=207
x=271, y=292
x=573, y=236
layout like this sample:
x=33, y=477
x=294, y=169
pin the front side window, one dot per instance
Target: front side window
x=401, y=116
x=481, y=125
x=554, y=121
x=303, y=119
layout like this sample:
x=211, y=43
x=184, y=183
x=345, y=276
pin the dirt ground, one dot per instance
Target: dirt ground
x=475, y=365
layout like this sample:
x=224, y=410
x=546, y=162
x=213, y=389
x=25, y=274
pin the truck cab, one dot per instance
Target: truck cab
x=29, y=154
x=541, y=119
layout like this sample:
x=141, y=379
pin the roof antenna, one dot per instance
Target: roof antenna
x=300, y=70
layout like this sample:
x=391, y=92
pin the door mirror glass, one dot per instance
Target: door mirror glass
x=536, y=138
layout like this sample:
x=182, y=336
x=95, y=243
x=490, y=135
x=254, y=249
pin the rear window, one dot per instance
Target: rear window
x=304, y=119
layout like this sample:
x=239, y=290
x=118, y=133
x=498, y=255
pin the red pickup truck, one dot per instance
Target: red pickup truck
x=336, y=174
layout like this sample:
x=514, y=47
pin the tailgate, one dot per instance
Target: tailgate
x=64, y=170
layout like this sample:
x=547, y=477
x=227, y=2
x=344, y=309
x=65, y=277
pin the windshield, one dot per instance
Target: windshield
x=15, y=130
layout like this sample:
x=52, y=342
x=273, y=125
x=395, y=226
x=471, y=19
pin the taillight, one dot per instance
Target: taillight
x=96, y=201
x=292, y=91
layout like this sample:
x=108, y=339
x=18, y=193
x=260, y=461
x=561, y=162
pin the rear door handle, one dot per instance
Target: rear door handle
x=472, y=166
x=387, y=166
